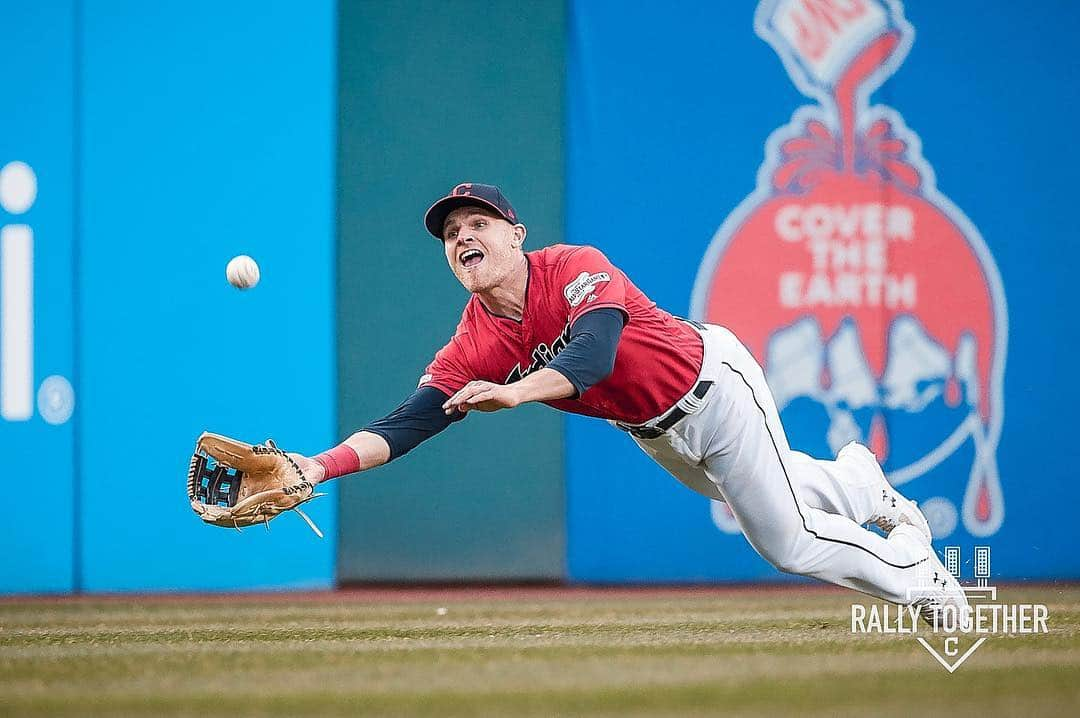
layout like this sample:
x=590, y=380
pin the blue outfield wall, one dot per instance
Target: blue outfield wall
x=37, y=301
x=899, y=258
x=202, y=131
x=958, y=372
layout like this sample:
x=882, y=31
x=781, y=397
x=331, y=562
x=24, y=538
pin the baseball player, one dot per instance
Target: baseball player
x=565, y=327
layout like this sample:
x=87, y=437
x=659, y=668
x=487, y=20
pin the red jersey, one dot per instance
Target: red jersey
x=657, y=361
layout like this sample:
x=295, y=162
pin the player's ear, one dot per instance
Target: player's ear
x=519, y=235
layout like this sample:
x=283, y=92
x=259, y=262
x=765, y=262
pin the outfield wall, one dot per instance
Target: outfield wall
x=426, y=104
x=962, y=381
x=37, y=261
x=142, y=147
x=165, y=139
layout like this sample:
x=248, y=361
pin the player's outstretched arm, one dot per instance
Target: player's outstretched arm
x=417, y=419
x=586, y=360
x=361, y=451
x=542, y=385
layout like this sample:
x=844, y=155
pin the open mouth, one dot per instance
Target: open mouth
x=471, y=258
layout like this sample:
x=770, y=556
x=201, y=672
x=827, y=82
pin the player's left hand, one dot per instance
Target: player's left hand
x=313, y=471
x=482, y=396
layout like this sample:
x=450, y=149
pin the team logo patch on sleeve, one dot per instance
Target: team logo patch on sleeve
x=583, y=286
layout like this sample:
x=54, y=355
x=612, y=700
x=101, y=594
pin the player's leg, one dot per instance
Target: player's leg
x=755, y=471
x=825, y=485
x=854, y=486
x=832, y=486
x=679, y=465
x=850, y=486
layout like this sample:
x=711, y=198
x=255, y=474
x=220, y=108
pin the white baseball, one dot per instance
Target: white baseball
x=242, y=272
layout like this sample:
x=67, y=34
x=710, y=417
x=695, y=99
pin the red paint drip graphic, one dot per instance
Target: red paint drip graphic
x=952, y=392
x=982, y=504
x=879, y=438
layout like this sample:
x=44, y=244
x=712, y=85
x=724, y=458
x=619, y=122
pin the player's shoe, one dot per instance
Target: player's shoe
x=892, y=509
x=935, y=588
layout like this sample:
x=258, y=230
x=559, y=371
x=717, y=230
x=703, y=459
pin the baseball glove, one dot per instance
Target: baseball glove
x=234, y=484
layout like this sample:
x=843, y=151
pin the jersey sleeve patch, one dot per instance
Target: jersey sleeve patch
x=584, y=287
x=588, y=280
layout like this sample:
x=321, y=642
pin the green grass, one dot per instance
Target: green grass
x=672, y=654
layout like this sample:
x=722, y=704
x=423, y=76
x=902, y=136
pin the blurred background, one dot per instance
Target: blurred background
x=877, y=197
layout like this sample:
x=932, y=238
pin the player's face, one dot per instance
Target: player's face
x=481, y=247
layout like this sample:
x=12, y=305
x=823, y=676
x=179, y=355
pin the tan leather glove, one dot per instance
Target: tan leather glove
x=234, y=484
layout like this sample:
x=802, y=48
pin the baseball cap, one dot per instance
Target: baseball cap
x=468, y=194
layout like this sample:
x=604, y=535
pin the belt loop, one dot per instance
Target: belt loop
x=692, y=402
x=687, y=406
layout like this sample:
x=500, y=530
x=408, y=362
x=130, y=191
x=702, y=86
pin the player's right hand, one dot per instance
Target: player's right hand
x=483, y=396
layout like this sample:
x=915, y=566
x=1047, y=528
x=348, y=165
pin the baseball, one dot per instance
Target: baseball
x=242, y=272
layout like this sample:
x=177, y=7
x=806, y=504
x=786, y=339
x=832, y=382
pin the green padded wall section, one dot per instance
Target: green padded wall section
x=433, y=93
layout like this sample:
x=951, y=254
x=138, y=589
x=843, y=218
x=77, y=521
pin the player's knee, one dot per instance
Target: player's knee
x=789, y=561
x=790, y=564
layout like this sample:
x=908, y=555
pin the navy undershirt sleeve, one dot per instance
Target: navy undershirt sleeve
x=419, y=418
x=589, y=356
x=587, y=359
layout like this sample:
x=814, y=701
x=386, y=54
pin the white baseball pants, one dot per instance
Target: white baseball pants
x=803, y=515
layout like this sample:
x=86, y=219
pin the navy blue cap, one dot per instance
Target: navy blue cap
x=468, y=194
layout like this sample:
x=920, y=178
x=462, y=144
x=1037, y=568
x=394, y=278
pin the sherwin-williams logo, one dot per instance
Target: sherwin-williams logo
x=871, y=300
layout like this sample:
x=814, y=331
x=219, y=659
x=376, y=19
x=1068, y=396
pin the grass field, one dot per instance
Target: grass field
x=509, y=652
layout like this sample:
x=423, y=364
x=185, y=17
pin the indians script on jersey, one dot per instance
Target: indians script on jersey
x=874, y=303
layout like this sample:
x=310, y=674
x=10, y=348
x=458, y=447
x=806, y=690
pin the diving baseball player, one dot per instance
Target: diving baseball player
x=565, y=327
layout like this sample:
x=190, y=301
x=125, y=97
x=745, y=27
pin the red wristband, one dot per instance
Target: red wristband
x=340, y=460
